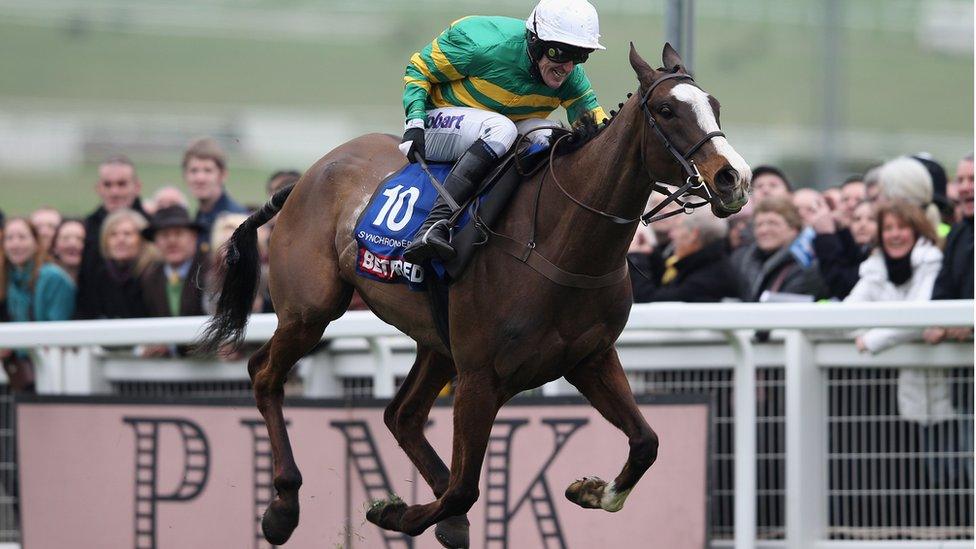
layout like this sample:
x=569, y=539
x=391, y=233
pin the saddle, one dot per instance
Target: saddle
x=401, y=202
x=489, y=203
x=384, y=228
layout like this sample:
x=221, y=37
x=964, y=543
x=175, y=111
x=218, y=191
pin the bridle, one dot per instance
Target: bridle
x=681, y=196
x=694, y=179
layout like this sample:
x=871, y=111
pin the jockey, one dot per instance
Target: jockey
x=484, y=80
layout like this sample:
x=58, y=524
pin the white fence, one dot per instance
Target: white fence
x=813, y=483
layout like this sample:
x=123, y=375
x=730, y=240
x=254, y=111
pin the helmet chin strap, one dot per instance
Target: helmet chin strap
x=533, y=48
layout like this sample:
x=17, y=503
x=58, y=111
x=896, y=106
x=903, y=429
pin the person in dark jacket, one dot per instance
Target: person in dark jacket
x=118, y=187
x=115, y=291
x=768, y=265
x=173, y=286
x=170, y=285
x=769, y=181
x=840, y=251
x=698, y=270
x=955, y=280
x=205, y=172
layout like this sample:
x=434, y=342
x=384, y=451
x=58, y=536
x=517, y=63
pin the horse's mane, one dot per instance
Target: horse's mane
x=589, y=127
x=585, y=130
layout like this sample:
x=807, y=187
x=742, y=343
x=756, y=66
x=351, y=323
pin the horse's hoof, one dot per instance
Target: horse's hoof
x=586, y=492
x=279, y=521
x=386, y=513
x=452, y=532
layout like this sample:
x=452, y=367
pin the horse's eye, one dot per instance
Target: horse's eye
x=665, y=111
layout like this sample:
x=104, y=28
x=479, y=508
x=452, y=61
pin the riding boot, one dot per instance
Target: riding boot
x=433, y=239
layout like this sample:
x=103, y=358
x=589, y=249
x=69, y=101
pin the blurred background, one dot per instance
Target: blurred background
x=821, y=87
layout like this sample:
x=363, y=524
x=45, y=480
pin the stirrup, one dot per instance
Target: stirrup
x=424, y=248
x=424, y=240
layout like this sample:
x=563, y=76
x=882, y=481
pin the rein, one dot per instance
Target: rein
x=526, y=252
x=679, y=196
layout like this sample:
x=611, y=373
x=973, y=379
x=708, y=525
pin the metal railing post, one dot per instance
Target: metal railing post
x=319, y=375
x=81, y=376
x=48, y=370
x=806, y=482
x=384, y=386
x=745, y=438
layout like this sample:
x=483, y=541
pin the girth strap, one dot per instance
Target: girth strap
x=527, y=254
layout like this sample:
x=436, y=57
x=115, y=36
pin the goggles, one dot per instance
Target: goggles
x=561, y=53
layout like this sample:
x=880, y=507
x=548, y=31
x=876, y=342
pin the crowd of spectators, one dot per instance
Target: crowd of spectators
x=134, y=258
x=900, y=232
x=129, y=258
x=793, y=243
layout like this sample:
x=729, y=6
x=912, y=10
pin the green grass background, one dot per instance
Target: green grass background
x=763, y=73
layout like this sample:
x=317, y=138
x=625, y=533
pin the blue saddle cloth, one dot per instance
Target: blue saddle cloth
x=387, y=225
x=393, y=216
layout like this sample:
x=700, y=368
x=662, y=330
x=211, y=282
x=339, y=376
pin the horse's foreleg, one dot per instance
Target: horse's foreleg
x=406, y=417
x=603, y=382
x=476, y=403
x=269, y=368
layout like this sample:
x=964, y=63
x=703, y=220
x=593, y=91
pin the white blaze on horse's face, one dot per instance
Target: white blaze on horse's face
x=698, y=100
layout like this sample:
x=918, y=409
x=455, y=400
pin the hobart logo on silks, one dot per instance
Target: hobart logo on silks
x=441, y=121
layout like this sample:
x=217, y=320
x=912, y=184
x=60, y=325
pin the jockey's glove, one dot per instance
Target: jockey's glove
x=417, y=147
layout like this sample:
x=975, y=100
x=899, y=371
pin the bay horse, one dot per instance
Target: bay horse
x=512, y=327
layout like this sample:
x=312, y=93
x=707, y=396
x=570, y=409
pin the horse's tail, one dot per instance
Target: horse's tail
x=237, y=279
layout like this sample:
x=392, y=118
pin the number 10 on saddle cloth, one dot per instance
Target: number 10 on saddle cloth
x=389, y=222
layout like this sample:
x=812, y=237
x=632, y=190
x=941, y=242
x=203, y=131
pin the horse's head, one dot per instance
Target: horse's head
x=682, y=117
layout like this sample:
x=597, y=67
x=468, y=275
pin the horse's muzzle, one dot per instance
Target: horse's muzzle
x=729, y=190
x=725, y=208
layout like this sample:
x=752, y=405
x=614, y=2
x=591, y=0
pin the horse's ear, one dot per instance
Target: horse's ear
x=645, y=73
x=672, y=61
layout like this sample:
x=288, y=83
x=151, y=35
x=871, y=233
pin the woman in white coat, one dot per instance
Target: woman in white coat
x=904, y=268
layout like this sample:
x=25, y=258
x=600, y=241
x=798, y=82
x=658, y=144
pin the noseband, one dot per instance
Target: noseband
x=694, y=179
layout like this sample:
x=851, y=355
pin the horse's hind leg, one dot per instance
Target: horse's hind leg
x=406, y=417
x=268, y=369
x=476, y=403
x=603, y=382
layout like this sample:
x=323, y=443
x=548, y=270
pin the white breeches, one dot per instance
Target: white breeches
x=452, y=130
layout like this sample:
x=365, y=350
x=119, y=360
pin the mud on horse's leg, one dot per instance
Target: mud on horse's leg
x=476, y=403
x=406, y=417
x=268, y=369
x=603, y=382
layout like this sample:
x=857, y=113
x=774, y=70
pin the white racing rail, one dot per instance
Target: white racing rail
x=657, y=336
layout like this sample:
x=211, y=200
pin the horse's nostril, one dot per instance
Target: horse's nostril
x=726, y=179
x=726, y=182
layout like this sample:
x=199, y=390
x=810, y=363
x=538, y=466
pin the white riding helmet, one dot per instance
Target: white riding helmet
x=572, y=22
